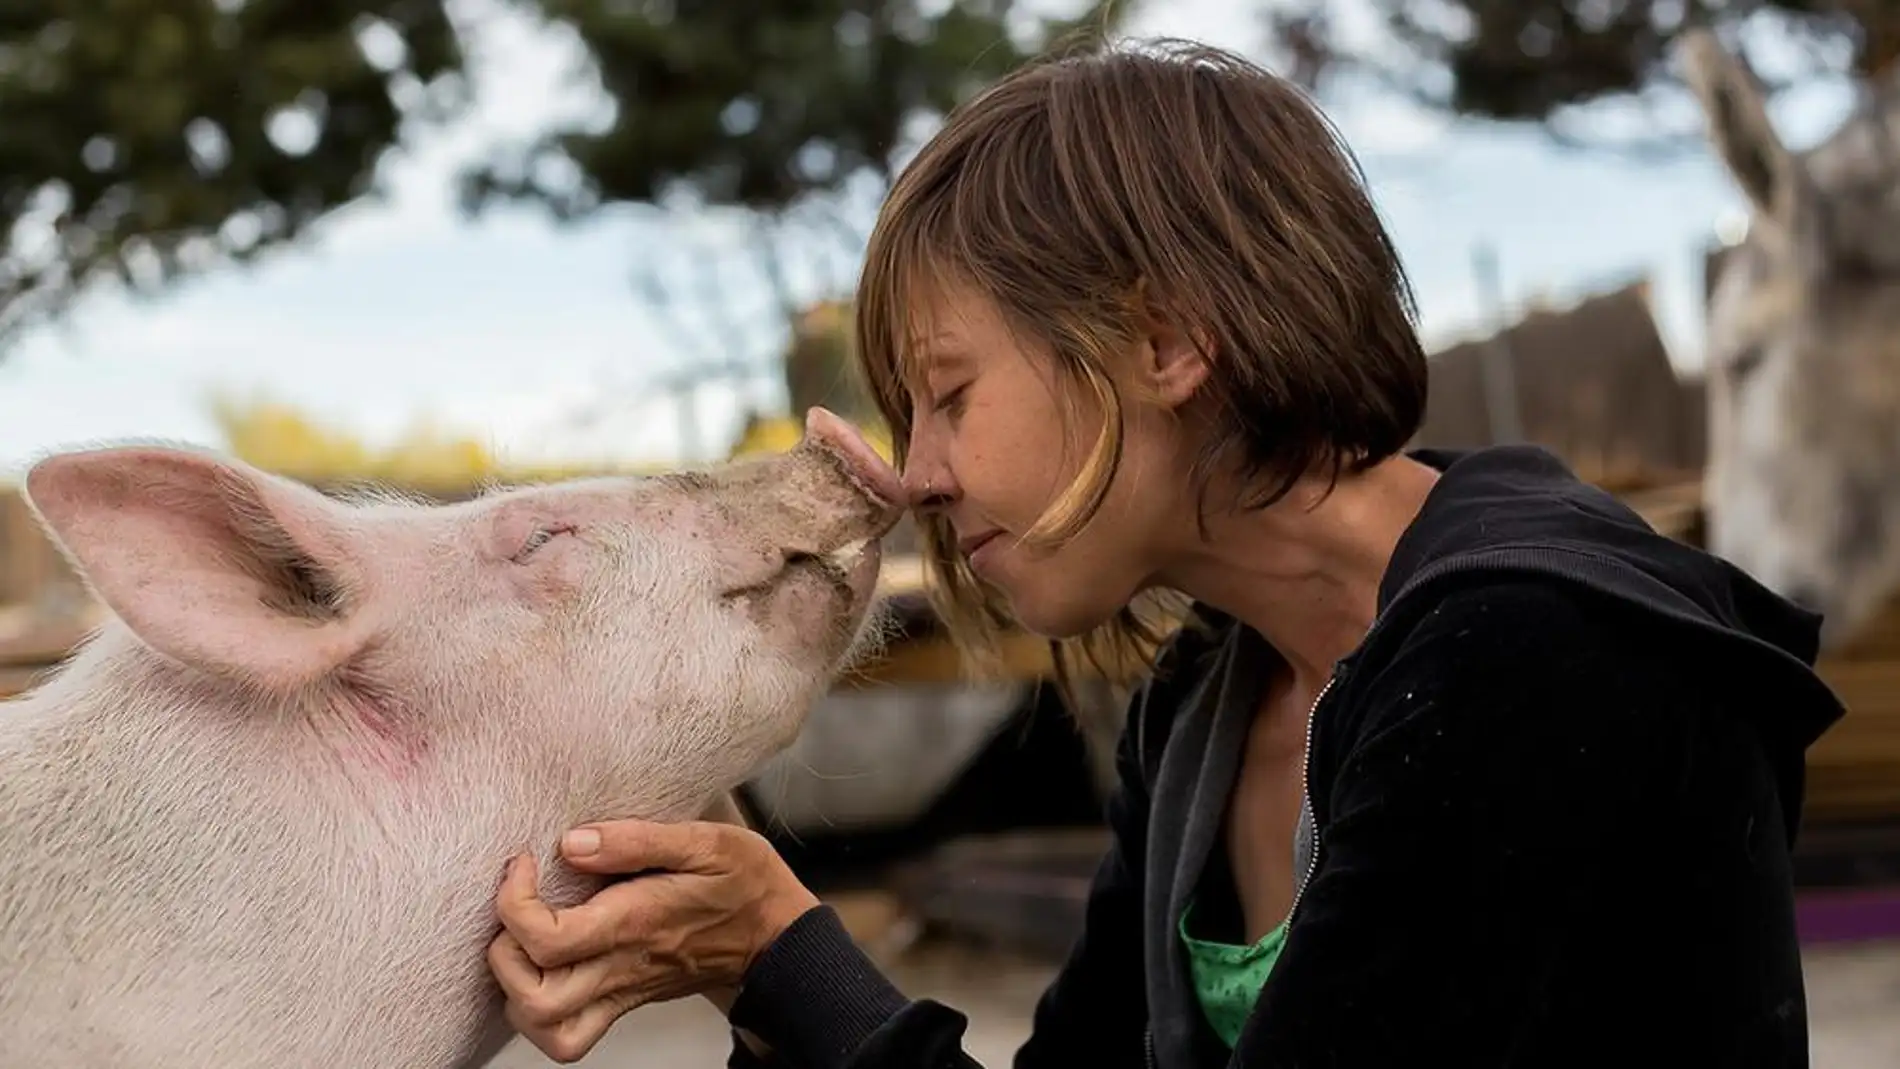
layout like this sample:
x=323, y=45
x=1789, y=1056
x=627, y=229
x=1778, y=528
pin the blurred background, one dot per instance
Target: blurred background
x=441, y=243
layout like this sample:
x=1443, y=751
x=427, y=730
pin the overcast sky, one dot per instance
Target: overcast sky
x=399, y=311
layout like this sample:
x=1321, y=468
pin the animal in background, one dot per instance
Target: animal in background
x=1803, y=478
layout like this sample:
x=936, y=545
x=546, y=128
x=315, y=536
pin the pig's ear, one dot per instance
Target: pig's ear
x=218, y=565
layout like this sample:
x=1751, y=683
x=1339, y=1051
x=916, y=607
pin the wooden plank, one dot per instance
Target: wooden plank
x=42, y=643
x=1673, y=509
x=1029, y=889
x=1854, y=770
x=1025, y=890
x=935, y=660
x=17, y=679
x=1848, y=853
x=1877, y=640
x=902, y=574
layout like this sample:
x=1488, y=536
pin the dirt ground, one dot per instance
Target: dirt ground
x=1853, y=1005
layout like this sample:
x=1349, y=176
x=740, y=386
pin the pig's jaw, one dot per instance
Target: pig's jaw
x=184, y=956
x=394, y=879
x=371, y=730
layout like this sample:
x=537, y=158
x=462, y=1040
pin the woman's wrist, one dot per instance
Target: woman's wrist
x=777, y=913
x=721, y=997
x=812, y=993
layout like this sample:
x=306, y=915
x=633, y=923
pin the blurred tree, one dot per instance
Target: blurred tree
x=759, y=105
x=142, y=140
x=819, y=369
x=786, y=120
x=1539, y=60
x=145, y=139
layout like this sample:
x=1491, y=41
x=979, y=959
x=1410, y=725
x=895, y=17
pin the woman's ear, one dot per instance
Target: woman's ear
x=1174, y=364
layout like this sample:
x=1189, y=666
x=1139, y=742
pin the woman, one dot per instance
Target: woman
x=1456, y=763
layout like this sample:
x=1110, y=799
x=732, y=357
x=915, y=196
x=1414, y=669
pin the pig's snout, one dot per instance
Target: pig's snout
x=862, y=465
x=826, y=506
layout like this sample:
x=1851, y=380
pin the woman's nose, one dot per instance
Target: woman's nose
x=928, y=487
x=927, y=480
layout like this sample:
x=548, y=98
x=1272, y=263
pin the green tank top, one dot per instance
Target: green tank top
x=1228, y=978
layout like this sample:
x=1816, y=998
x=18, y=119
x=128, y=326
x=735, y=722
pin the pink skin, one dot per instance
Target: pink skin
x=366, y=708
x=876, y=476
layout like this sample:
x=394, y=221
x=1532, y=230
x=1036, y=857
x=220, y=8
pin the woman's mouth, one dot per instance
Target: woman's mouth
x=974, y=544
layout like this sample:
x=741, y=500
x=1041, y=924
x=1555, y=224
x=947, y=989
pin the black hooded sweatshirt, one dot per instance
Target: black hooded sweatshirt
x=1551, y=802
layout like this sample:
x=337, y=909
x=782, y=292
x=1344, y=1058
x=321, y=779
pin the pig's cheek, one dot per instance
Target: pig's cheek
x=796, y=615
x=509, y=530
x=552, y=582
x=737, y=565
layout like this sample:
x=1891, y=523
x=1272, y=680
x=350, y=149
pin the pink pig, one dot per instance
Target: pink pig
x=258, y=820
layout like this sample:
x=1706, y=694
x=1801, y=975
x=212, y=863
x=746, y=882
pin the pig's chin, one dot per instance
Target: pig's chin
x=812, y=608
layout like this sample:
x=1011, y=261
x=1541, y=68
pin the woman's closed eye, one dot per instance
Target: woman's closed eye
x=950, y=402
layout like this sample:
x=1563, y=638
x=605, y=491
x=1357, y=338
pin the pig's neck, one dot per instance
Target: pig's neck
x=233, y=870
x=432, y=817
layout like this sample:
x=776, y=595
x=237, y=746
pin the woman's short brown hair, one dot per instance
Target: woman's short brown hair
x=1093, y=189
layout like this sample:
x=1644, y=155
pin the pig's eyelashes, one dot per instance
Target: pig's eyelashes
x=537, y=538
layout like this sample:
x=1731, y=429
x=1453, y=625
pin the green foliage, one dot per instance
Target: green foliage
x=756, y=106
x=144, y=139
x=1535, y=60
x=819, y=369
x=785, y=115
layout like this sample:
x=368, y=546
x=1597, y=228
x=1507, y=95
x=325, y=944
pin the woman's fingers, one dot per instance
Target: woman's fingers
x=548, y=996
x=570, y=1039
x=626, y=846
x=720, y=894
x=565, y=1011
x=553, y=938
x=513, y=969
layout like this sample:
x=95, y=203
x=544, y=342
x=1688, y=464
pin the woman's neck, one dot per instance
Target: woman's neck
x=1305, y=572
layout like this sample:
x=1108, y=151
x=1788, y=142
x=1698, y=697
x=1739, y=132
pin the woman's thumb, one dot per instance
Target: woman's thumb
x=630, y=846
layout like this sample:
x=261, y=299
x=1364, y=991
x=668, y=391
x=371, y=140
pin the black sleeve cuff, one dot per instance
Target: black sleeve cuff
x=743, y=1058
x=813, y=995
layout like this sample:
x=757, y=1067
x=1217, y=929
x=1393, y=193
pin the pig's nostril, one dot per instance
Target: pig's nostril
x=795, y=557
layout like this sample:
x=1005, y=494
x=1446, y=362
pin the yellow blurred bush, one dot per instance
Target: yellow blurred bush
x=278, y=437
x=775, y=434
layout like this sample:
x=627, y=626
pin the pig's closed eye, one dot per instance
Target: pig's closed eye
x=537, y=538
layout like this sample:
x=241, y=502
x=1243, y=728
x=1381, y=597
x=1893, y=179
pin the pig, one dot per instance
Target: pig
x=259, y=817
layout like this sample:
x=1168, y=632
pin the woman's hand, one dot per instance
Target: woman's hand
x=720, y=897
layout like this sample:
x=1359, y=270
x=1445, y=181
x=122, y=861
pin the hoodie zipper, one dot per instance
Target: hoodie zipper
x=1365, y=642
x=1312, y=862
x=1306, y=794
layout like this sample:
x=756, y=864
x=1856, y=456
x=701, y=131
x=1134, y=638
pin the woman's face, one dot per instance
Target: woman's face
x=993, y=445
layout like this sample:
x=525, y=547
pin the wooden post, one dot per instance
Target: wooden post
x=1498, y=365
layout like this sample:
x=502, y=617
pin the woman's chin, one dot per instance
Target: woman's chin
x=1054, y=618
